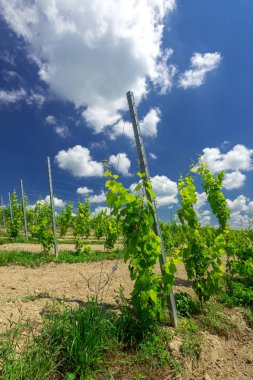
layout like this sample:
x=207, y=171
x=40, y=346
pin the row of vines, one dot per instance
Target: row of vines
x=77, y=227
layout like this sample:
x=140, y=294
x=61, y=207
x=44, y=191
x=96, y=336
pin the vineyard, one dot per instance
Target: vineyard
x=98, y=308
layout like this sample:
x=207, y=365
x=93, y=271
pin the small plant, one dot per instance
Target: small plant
x=214, y=319
x=186, y=305
x=14, y=223
x=42, y=230
x=192, y=340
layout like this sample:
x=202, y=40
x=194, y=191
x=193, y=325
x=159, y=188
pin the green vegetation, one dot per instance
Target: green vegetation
x=76, y=343
x=30, y=259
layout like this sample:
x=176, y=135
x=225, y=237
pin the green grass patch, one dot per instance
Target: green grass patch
x=30, y=259
x=214, y=319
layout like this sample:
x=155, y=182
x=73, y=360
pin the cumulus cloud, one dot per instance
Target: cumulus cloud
x=165, y=189
x=148, y=125
x=84, y=191
x=241, y=212
x=92, y=58
x=78, y=162
x=238, y=158
x=100, y=198
x=201, y=64
x=234, y=180
x=57, y=202
x=121, y=163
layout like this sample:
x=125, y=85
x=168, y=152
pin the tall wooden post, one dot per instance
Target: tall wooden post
x=144, y=169
x=52, y=206
x=24, y=210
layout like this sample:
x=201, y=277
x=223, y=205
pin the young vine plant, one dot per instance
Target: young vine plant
x=142, y=249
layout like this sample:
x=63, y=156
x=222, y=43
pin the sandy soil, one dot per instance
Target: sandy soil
x=229, y=358
x=37, y=247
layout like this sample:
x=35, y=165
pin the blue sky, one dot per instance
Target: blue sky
x=65, y=69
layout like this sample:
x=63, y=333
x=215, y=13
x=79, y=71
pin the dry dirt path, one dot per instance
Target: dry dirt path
x=30, y=247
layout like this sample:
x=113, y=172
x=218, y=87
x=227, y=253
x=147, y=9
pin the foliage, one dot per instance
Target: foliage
x=14, y=223
x=42, y=230
x=202, y=263
x=81, y=224
x=186, y=305
x=99, y=224
x=111, y=232
x=142, y=249
x=238, y=293
x=65, y=220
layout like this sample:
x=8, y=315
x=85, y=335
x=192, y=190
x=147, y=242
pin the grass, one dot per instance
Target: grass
x=192, y=340
x=214, y=319
x=76, y=343
x=30, y=259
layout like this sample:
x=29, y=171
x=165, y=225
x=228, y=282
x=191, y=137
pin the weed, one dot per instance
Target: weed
x=215, y=320
x=191, y=339
x=186, y=305
x=248, y=315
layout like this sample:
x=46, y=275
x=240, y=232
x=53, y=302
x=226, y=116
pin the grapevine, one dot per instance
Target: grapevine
x=142, y=249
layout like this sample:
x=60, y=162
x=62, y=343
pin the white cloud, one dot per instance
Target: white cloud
x=238, y=159
x=98, y=209
x=11, y=97
x=201, y=201
x=201, y=64
x=165, y=189
x=238, y=204
x=84, y=191
x=58, y=128
x=153, y=156
x=92, y=52
x=78, y=162
x=234, y=180
x=121, y=163
x=21, y=95
x=241, y=212
x=62, y=131
x=148, y=125
x=51, y=120
x=57, y=202
x=100, y=198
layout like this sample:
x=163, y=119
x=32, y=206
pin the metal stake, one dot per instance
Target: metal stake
x=52, y=206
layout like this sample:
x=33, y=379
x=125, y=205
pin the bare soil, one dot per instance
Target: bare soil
x=24, y=292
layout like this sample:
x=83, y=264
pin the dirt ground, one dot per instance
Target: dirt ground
x=37, y=247
x=26, y=291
